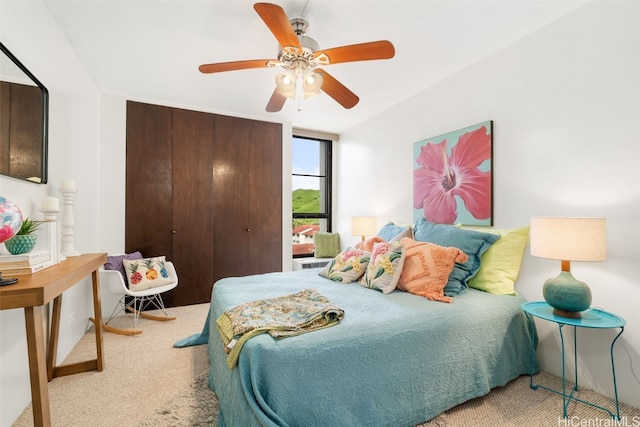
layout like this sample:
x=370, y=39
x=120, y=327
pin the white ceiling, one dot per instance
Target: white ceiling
x=150, y=50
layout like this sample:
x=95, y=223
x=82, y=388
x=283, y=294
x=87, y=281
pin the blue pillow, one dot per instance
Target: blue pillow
x=472, y=243
x=390, y=230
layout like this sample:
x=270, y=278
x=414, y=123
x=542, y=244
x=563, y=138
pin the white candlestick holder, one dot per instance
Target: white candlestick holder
x=68, y=197
x=50, y=214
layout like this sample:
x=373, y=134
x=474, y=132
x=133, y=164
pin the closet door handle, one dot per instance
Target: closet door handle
x=173, y=231
x=248, y=229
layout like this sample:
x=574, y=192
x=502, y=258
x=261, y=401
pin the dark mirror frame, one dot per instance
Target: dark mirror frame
x=45, y=115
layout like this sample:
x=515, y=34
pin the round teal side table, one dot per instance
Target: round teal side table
x=591, y=318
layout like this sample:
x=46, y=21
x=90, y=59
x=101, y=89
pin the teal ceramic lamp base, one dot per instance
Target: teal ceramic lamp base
x=567, y=295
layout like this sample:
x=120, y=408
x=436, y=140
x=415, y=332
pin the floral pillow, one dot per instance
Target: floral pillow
x=348, y=266
x=146, y=273
x=427, y=267
x=383, y=271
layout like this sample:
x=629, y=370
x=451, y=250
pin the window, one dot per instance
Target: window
x=311, y=197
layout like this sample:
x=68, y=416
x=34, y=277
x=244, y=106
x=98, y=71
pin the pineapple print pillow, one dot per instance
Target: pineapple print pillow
x=146, y=273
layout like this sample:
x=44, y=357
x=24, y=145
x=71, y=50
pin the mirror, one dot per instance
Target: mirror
x=24, y=115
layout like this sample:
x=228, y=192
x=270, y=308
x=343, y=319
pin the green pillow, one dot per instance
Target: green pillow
x=327, y=245
x=473, y=243
x=501, y=263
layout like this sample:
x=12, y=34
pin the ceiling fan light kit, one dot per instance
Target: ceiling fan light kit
x=299, y=56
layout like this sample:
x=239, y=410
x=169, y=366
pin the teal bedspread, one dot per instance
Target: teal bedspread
x=394, y=360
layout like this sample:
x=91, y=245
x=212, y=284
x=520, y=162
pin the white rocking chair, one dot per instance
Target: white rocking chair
x=134, y=302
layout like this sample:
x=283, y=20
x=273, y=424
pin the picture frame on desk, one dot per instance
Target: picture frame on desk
x=49, y=239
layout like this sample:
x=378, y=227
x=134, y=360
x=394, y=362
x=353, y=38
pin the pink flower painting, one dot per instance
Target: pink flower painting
x=452, y=177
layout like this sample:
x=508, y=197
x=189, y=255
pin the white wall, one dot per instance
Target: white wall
x=565, y=102
x=28, y=30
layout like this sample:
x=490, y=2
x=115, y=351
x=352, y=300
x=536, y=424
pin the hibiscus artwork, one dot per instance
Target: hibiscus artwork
x=452, y=177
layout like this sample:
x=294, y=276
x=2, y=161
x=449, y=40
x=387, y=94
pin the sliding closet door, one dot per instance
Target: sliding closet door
x=231, y=195
x=265, y=204
x=247, y=197
x=149, y=206
x=192, y=206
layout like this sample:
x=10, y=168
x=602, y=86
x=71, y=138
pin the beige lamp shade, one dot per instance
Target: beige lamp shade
x=570, y=239
x=363, y=226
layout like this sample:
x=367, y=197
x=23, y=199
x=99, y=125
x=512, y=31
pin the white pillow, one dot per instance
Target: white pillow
x=146, y=273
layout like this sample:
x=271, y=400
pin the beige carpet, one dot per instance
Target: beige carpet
x=148, y=383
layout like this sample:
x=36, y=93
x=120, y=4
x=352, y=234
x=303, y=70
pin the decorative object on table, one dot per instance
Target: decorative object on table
x=68, y=191
x=11, y=218
x=452, y=177
x=27, y=263
x=50, y=208
x=363, y=226
x=25, y=239
x=568, y=239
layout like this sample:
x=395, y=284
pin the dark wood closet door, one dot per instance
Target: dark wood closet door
x=193, y=206
x=265, y=203
x=231, y=195
x=149, y=207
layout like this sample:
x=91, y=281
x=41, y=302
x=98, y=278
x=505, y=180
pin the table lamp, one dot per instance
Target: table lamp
x=568, y=239
x=363, y=226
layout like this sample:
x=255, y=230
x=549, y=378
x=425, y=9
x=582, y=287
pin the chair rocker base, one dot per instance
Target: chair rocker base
x=136, y=306
x=115, y=330
x=150, y=316
x=120, y=331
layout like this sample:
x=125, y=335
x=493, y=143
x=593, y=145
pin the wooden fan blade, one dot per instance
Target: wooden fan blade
x=276, y=102
x=381, y=49
x=234, y=65
x=337, y=90
x=277, y=21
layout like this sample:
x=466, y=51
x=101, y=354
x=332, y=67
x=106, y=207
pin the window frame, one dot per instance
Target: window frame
x=328, y=187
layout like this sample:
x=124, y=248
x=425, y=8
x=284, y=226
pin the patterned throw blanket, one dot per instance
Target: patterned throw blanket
x=281, y=317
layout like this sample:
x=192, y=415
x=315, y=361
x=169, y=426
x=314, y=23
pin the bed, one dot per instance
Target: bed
x=396, y=359
x=433, y=321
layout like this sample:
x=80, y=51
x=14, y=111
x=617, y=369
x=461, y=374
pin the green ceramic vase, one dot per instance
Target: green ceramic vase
x=21, y=244
x=567, y=293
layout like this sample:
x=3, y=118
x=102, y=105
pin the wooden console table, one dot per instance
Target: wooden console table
x=32, y=292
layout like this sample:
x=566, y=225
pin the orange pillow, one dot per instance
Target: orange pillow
x=427, y=267
x=368, y=244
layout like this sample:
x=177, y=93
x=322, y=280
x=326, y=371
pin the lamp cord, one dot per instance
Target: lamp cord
x=626, y=349
x=633, y=372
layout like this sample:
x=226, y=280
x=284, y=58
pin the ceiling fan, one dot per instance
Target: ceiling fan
x=300, y=58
